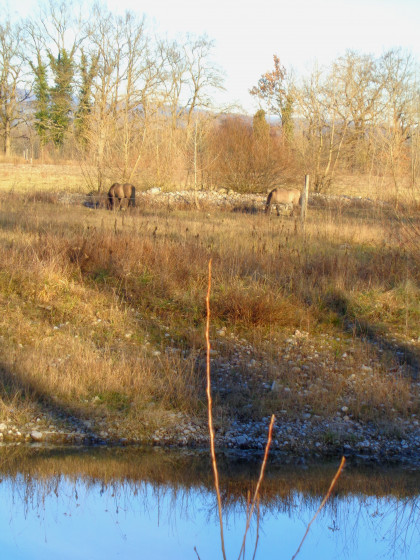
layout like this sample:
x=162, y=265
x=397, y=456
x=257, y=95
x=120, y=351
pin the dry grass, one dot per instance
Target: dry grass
x=376, y=187
x=24, y=177
x=103, y=313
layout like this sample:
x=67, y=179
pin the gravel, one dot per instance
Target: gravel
x=306, y=435
x=300, y=437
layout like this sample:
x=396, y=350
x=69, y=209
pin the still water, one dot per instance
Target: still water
x=155, y=504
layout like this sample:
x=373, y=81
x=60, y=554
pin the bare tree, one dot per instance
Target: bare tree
x=175, y=79
x=326, y=119
x=204, y=76
x=126, y=93
x=196, y=151
x=143, y=92
x=398, y=120
x=415, y=139
x=361, y=89
x=185, y=79
x=100, y=128
x=13, y=86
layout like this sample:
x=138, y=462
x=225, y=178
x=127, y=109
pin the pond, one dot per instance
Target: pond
x=106, y=503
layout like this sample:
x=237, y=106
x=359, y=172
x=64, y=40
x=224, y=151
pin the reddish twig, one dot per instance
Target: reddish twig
x=210, y=416
x=337, y=474
x=258, y=529
x=257, y=489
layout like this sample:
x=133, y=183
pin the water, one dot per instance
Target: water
x=155, y=504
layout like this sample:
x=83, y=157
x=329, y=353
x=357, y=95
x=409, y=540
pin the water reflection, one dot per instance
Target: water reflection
x=156, y=504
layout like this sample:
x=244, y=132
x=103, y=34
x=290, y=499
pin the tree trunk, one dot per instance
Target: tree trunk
x=7, y=139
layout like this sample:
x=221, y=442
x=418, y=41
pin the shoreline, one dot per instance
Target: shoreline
x=298, y=440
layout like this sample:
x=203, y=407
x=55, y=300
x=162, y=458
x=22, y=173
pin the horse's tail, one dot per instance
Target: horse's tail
x=111, y=197
x=267, y=204
x=133, y=196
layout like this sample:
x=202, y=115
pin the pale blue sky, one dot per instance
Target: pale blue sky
x=248, y=32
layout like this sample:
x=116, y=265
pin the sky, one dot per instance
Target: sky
x=247, y=33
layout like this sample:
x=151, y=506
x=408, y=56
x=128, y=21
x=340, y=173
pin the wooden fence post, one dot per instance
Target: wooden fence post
x=304, y=202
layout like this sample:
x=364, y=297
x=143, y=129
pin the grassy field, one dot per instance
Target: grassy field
x=24, y=177
x=20, y=176
x=102, y=314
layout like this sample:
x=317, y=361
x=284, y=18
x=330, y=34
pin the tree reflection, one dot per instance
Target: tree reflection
x=178, y=487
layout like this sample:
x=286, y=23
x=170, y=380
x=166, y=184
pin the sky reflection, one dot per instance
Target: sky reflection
x=77, y=517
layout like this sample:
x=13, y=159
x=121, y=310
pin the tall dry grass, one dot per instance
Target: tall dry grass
x=20, y=176
x=103, y=313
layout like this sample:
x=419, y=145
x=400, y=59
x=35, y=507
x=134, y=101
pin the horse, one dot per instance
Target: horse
x=282, y=196
x=118, y=192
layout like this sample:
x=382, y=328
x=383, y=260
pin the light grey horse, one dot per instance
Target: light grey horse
x=283, y=196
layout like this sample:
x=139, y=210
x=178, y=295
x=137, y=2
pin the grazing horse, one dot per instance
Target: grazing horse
x=282, y=196
x=118, y=192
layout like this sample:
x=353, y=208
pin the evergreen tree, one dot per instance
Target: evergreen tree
x=88, y=74
x=61, y=95
x=287, y=118
x=260, y=126
x=42, y=94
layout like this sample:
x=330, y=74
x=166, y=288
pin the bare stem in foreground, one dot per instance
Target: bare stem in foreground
x=210, y=416
x=257, y=489
x=324, y=501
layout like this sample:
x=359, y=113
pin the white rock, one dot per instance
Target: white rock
x=37, y=436
x=275, y=386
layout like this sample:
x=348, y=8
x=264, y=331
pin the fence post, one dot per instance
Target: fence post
x=304, y=201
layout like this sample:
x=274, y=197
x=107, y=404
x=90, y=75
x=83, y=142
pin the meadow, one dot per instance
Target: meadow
x=102, y=314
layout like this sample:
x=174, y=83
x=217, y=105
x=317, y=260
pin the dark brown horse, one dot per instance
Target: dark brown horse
x=282, y=196
x=118, y=192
